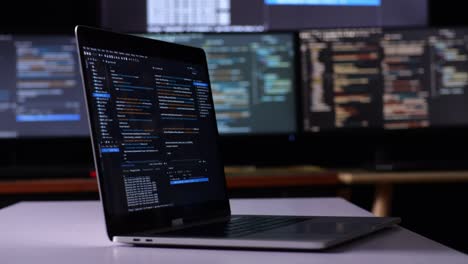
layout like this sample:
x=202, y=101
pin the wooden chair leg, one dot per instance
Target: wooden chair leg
x=383, y=200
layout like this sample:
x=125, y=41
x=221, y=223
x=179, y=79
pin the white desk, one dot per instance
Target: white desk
x=73, y=233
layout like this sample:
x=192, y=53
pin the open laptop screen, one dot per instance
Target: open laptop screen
x=153, y=124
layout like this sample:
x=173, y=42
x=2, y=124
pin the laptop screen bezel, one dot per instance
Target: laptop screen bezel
x=154, y=219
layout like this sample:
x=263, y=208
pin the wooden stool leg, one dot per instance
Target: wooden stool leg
x=383, y=199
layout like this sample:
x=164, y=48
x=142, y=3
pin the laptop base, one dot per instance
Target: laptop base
x=307, y=233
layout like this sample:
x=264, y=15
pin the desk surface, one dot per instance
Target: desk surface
x=73, y=233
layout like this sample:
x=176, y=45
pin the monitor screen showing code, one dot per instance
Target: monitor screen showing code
x=384, y=78
x=40, y=88
x=253, y=79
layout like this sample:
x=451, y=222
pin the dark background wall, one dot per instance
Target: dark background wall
x=61, y=16
x=47, y=16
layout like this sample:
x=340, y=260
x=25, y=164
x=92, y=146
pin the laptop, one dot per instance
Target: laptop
x=155, y=143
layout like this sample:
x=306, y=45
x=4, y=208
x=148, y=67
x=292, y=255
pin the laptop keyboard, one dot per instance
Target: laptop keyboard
x=246, y=225
x=238, y=226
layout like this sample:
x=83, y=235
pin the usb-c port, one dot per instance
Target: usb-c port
x=136, y=240
x=149, y=240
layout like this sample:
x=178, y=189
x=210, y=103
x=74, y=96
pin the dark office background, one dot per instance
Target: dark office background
x=437, y=211
x=61, y=16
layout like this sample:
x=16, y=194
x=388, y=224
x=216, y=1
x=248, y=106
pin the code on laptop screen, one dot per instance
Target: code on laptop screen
x=155, y=127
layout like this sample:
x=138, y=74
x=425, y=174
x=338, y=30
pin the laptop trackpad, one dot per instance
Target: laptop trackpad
x=322, y=228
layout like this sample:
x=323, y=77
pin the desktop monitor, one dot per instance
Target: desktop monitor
x=258, y=15
x=40, y=88
x=252, y=77
x=42, y=108
x=387, y=79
